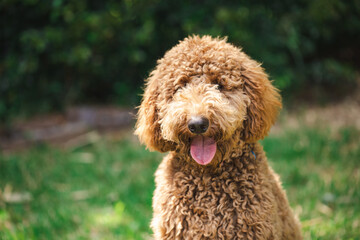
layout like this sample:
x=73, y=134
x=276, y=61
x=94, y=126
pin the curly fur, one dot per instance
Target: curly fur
x=237, y=195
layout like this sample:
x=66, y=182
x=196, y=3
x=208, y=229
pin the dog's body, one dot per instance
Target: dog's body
x=208, y=103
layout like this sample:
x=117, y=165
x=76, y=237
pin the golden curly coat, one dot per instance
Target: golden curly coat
x=215, y=183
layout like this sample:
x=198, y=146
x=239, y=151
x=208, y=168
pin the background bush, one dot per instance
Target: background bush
x=57, y=53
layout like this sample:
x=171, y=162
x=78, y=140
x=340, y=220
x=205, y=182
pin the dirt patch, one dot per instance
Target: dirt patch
x=334, y=116
x=76, y=126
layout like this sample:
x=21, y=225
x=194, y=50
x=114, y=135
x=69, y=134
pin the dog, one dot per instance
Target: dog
x=208, y=104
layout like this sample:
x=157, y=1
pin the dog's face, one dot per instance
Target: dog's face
x=203, y=96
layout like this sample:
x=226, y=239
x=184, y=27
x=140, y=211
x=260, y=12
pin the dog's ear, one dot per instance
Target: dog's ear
x=264, y=104
x=147, y=125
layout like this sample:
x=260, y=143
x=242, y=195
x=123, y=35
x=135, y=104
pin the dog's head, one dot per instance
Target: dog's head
x=203, y=94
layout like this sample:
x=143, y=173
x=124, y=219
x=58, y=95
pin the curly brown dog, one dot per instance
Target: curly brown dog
x=208, y=104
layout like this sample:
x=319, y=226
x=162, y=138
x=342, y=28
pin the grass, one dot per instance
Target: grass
x=101, y=191
x=320, y=171
x=104, y=190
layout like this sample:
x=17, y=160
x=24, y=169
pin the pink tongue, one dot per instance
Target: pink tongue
x=203, y=149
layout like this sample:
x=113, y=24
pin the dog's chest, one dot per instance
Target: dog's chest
x=215, y=206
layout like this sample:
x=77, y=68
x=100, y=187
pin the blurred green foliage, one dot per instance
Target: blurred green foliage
x=56, y=53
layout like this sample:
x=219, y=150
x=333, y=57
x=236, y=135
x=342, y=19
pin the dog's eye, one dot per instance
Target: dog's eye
x=219, y=87
x=177, y=88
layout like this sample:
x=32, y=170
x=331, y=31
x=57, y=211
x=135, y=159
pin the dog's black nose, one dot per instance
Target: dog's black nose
x=198, y=124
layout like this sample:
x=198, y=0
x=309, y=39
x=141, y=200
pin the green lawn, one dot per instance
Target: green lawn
x=103, y=190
